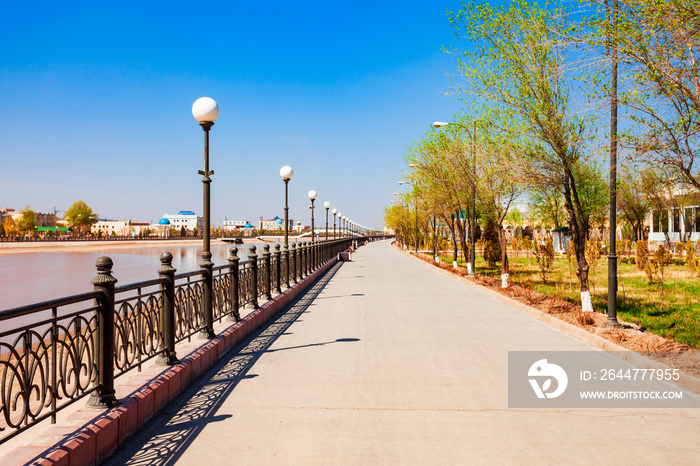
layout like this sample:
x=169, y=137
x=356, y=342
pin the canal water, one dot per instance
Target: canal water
x=36, y=277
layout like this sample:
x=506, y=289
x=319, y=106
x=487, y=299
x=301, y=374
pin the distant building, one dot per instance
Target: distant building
x=106, y=227
x=163, y=228
x=9, y=218
x=231, y=225
x=678, y=224
x=187, y=219
x=273, y=224
x=248, y=229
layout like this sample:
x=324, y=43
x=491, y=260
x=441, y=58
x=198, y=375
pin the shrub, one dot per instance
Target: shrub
x=527, y=245
x=662, y=258
x=690, y=259
x=592, y=252
x=544, y=257
x=642, y=255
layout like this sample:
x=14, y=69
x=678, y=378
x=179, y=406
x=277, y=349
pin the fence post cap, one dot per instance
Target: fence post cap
x=104, y=272
x=166, y=261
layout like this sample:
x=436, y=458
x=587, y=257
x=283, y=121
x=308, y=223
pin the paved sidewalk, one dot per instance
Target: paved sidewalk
x=387, y=361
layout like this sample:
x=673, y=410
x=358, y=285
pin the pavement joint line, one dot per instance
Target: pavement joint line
x=574, y=411
x=686, y=381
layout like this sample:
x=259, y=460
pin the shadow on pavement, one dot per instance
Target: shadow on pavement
x=169, y=435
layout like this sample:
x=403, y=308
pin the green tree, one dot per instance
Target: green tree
x=27, y=222
x=657, y=42
x=517, y=63
x=632, y=201
x=496, y=182
x=547, y=203
x=80, y=216
x=436, y=164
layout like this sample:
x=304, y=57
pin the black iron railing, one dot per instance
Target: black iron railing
x=57, y=352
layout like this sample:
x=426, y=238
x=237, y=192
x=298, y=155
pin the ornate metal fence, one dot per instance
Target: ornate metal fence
x=48, y=364
x=77, y=345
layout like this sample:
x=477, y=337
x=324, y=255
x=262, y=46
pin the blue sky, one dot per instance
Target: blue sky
x=96, y=103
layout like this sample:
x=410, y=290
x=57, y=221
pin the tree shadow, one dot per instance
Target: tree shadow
x=165, y=440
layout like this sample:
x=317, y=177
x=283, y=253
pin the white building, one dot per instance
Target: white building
x=273, y=224
x=234, y=224
x=118, y=227
x=187, y=219
x=679, y=223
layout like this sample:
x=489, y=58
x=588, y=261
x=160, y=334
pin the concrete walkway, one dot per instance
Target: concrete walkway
x=387, y=361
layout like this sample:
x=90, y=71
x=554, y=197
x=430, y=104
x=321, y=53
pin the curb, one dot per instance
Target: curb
x=89, y=436
x=686, y=381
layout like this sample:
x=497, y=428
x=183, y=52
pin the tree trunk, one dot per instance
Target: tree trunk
x=463, y=237
x=451, y=225
x=504, y=256
x=579, y=234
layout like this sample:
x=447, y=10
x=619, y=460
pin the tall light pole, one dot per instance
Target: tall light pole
x=327, y=205
x=472, y=234
x=415, y=202
x=286, y=173
x=335, y=213
x=205, y=110
x=312, y=196
x=612, y=256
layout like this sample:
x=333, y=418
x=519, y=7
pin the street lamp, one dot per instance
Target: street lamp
x=415, y=202
x=286, y=173
x=471, y=267
x=612, y=256
x=312, y=196
x=205, y=110
x=327, y=206
x=335, y=213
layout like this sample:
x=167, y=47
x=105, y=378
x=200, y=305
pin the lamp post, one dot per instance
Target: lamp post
x=312, y=196
x=415, y=202
x=472, y=233
x=612, y=256
x=327, y=205
x=286, y=173
x=205, y=110
x=335, y=213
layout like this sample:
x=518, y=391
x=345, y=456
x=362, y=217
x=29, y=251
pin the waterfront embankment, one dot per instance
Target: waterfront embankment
x=21, y=247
